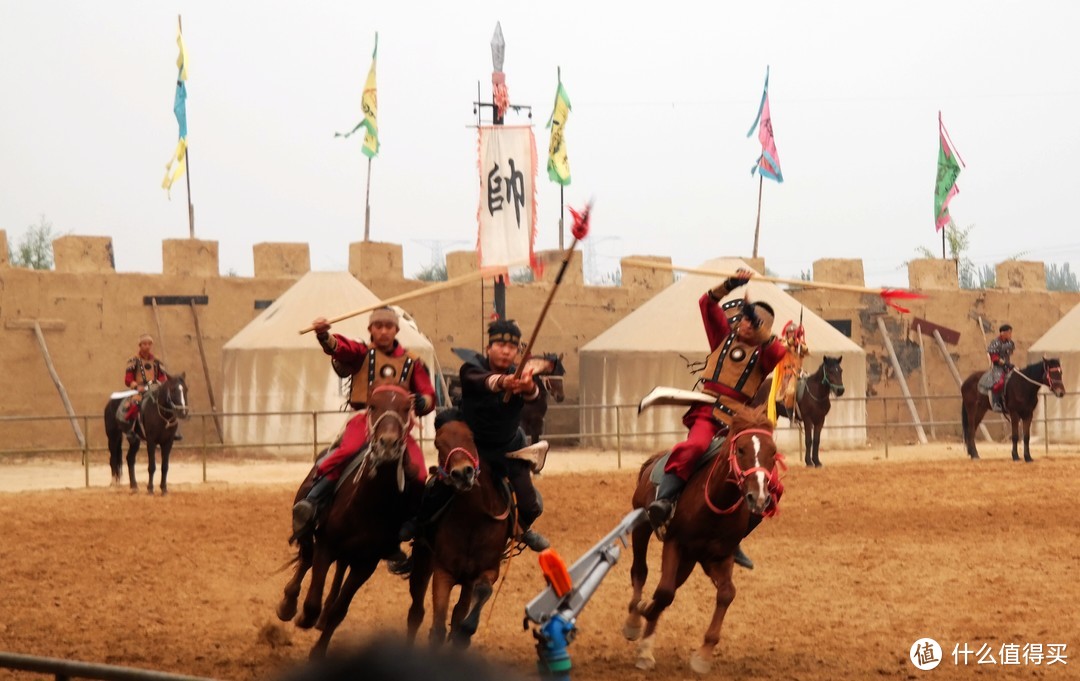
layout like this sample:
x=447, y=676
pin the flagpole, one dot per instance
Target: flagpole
x=562, y=209
x=187, y=164
x=941, y=129
x=367, y=204
x=757, y=223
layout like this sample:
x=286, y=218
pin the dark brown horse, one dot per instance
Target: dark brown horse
x=156, y=423
x=813, y=406
x=1021, y=397
x=469, y=542
x=361, y=525
x=710, y=519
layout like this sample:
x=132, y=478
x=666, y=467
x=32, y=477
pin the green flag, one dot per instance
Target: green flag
x=947, y=171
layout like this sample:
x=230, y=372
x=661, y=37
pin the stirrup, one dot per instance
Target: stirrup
x=660, y=512
x=534, y=540
x=303, y=517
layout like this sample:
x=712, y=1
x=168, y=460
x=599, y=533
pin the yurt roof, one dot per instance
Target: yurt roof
x=671, y=322
x=319, y=293
x=1061, y=337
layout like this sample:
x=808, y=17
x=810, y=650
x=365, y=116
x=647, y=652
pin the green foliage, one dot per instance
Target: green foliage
x=958, y=244
x=34, y=249
x=1061, y=278
x=432, y=272
x=806, y=275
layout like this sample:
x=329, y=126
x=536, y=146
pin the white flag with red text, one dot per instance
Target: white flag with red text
x=507, y=210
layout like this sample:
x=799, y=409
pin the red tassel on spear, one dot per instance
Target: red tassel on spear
x=890, y=294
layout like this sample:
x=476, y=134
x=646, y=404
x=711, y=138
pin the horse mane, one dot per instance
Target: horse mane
x=747, y=418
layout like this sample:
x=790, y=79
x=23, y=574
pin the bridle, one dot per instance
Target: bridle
x=829, y=386
x=738, y=476
x=405, y=423
x=165, y=406
x=1048, y=376
x=473, y=459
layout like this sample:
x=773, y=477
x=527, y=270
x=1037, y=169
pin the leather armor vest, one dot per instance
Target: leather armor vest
x=380, y=369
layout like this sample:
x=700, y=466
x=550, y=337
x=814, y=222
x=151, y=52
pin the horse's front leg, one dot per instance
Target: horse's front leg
x=720, y=574
x=441, y=583
x=482, y=589
x=817, y=444
x=133, y=449
x=418, y=584
x=166, y=449
x=808, y=443
x=151, y=454
x=320, y=565
x=1014, y=421
x=340, y=568
x=1027, y=439
x=639, y=572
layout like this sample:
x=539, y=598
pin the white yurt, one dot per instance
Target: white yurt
x=1061, y=341
x=270, y=367
x=653, y=345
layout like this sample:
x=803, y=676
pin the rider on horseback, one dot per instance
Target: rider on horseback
x=790, y=370
x=1000, y=351
x=142, y=372
x=383, y=361
x=495, y=424
x=743, y=352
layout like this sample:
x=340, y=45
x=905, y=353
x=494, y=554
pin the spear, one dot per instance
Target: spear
x=419, y=293
x=888, y=295
x=579, y=231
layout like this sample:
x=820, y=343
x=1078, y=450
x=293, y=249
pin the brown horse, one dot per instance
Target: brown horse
x=156, y=423
x=361, y=525
x=710, y=519
x=813, y=406
x=470, y=540
x=533, y=413
x=1021, y=397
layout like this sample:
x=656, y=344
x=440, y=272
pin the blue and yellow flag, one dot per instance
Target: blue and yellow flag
x=558, y=164
x=177, y=164
x=369, y=105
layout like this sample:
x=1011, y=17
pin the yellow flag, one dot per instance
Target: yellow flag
x=369, y=103
x=181, y=59
x=176, y=166
x=558, y=163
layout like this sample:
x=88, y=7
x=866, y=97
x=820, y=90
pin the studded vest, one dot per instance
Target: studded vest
x=733, y=372
x=378, y=369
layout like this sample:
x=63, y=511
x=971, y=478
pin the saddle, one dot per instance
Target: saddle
x=715, y=447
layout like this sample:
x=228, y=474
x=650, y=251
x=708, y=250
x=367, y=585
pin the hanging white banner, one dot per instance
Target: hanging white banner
x=507, y=209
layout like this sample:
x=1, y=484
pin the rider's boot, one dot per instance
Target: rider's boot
x=305, y=510
x=741, y=559
x=660, y=509
x=995, y=401
x=534, y=540
x=128, y=427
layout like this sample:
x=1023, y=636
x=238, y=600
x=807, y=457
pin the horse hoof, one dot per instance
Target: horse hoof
x=645, y=662
x=699, y=665
x=631, y=632
x=817, y=464
x=1028, y=459
x=306, y=622
x=150, y=491
x=164, y=490
x=286, y=611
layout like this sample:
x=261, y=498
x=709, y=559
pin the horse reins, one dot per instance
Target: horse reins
x=736, y=475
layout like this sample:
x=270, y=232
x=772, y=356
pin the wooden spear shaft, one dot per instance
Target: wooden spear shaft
x=419, y=293
x=757, y=277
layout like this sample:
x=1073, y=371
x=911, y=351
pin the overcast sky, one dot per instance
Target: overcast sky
x=663, y=95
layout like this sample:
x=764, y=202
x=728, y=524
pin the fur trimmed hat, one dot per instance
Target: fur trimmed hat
x=383, y=314
x=146, y=337
x=504, y=331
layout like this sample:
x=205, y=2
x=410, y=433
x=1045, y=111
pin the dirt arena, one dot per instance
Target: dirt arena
x=867, y=556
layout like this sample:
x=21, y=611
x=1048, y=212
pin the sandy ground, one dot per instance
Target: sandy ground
x=867, y=556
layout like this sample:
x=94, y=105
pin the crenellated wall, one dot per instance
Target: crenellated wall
x=92, y=316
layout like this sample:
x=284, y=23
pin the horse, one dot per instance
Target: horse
x=361, y=526
x=468, y=544
x=711, y=518
x=550, y=370
x=813, y=405
x=1021, y=396
x=161, y=407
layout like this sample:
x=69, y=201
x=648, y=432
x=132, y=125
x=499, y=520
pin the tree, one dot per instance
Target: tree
x=34, y=249
x=1061, y=278
x=433, y=272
